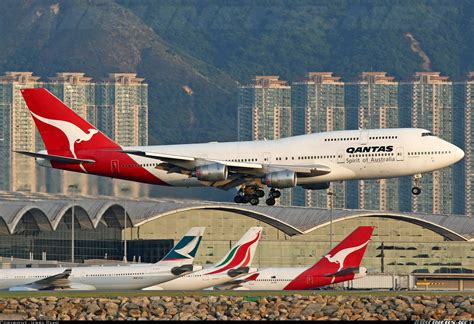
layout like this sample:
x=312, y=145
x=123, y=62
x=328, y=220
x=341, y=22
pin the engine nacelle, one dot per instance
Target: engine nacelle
x=316, y=186
x=280, y=179
x=211, y=172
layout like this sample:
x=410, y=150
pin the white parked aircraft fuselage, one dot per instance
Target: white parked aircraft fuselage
x=350, y=154
x=93, y=277
x=194, y=281
x=271, y=278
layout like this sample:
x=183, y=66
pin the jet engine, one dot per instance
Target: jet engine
x=211, y=172
x=280, y=179
x=316, y=186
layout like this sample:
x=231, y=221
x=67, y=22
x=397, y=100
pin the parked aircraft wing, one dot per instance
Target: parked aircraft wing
x=344, y=272
x=56, y=281
x=236, y=283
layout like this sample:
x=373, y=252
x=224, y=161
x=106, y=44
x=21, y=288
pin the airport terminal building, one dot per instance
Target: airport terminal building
x=39, y=225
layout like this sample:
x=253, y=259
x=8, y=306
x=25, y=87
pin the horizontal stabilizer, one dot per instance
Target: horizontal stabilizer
x=55, y=158
x=344, y=272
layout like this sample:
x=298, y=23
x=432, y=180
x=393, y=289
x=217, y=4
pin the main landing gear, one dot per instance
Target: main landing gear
x=416, y=190
x=272, y=195
x=252, y=194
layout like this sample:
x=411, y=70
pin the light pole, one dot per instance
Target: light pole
x=330, y=194
x=125, y=190
x=73, y=188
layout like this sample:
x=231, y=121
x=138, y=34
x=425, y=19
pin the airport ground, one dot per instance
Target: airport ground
x=213, y=305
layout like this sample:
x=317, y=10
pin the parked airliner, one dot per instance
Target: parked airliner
x=234, y=264
x=311, y=161
x=342, y=263
x=177, y=262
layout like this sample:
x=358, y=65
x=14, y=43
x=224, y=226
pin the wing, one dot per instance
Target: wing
x=239, y=172
x=59, y=280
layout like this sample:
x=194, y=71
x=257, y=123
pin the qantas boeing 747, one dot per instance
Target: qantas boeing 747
x=311, y=161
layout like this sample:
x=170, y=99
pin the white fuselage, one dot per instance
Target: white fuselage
x=93, y=277
x=350, y=154
x=194, y=281
x=271, y=278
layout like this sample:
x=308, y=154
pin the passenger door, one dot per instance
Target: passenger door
x=340, y=156
x=399, y=153
x=115, y=167
x=267, y=158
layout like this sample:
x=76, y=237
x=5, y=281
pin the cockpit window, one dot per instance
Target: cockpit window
x=426, y=134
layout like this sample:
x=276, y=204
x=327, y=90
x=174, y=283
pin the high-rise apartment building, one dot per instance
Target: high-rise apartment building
x=78, y=92
x=468, y=100
x=122, y=114
x=264, y=109
x=432, y=109
x=318, y=106
x=17, y=132
x=378, y=108
x=118, y=106
x=122, y=108
x=264, y=112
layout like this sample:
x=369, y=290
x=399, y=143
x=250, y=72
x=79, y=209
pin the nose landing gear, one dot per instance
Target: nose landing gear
x=416, y=190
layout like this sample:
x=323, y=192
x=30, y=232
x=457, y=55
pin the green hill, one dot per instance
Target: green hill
x=289, y=38
x=100, y=37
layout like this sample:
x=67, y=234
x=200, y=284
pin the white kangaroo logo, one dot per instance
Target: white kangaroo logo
x=73, y=133
x=340, y=257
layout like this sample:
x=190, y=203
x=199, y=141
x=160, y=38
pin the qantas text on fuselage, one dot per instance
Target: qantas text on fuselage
x=311, y=161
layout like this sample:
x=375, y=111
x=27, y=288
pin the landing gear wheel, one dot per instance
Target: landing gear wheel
x=416, y=191
x=254, y=200
x=238, y=199
x=247, y=198
x=270, y=201
x=276, y=194
x=260, y=193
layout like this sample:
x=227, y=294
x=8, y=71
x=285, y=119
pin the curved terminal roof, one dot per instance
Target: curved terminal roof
x=47, y=210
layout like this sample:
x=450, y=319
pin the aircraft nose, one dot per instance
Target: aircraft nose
x=458, y=153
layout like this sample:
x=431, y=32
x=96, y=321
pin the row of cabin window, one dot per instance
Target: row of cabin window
x=371, y=154
x=243, y=160
x=113, y=274
x=356, y=138
x=429, y=153
x=309, y=157
x=137, y=165
x=383, y=137
x=341, y=139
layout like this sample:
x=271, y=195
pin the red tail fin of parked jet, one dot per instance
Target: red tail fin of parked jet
x=341, y=264
x=75, y=145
